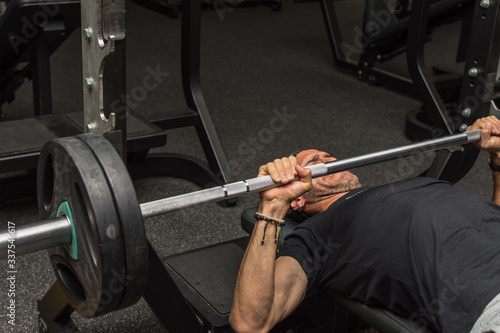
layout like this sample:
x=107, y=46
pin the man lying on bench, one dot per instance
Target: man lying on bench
x=421, y=248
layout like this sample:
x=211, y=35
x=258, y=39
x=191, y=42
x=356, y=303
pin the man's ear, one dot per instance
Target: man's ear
x=298, y=204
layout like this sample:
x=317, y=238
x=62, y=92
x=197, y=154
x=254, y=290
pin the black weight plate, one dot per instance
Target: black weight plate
x=132, y=226
x=68, y=171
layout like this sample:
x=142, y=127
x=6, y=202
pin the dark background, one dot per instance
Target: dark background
x=254, y=62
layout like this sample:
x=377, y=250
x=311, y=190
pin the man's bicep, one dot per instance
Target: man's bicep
x=290, y=283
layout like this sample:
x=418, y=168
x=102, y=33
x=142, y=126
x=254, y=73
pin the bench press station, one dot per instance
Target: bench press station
x=94, y=231
x=207, y=306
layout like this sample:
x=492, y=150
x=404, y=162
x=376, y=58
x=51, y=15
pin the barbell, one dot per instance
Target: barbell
x=92, y=222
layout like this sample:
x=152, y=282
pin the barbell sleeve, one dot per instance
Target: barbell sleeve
x=34, y=237
x=55, y=232
x=259, y=184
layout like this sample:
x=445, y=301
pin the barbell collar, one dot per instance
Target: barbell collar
x=34, y=237
x=259, y=184
x=55, y=232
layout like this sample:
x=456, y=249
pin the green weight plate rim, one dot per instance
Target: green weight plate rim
x=72, y=249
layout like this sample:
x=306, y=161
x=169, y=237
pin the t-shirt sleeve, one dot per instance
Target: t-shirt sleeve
x=296, y=246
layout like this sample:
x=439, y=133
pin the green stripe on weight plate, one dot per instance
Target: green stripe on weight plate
x=72, y=248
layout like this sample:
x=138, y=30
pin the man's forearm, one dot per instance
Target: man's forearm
x=254, y=292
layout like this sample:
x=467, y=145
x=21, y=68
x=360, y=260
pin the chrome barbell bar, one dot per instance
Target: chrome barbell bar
x=54, y=232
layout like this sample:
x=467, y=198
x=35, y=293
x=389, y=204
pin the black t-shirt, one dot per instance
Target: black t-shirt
x=420, y=248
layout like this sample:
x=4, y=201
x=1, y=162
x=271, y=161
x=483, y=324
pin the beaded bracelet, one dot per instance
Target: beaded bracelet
x=269, y=219
x=273, y=220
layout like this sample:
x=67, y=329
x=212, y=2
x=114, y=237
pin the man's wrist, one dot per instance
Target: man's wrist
x=275, y=208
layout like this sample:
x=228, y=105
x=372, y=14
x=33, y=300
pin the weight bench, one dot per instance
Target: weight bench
x=380, y=319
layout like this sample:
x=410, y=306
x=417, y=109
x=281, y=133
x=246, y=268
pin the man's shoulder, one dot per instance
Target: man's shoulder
x=413, y=184
x=419, y=181
x=401, y=186
x=371, y=196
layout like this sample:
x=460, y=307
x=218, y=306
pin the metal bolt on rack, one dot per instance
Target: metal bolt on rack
x=473, y=72
x=89, y=83
x=87, y=33
x=485, y=3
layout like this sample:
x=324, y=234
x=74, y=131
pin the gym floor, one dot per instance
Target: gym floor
x=257, y=66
